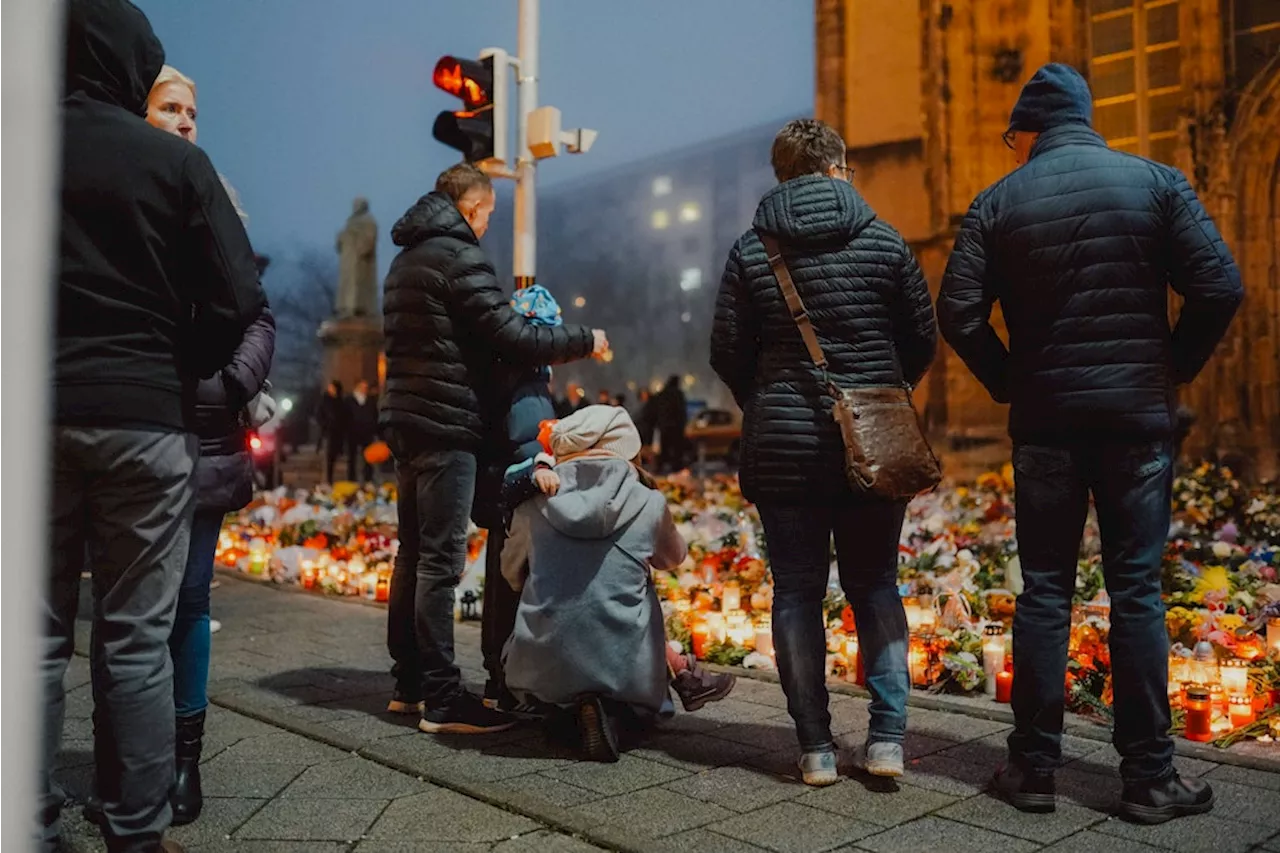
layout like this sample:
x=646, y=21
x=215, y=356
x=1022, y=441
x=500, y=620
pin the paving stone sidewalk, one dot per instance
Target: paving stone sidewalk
x=301, y=682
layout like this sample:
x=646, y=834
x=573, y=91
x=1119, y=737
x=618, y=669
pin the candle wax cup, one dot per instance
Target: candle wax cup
x=1004, y=687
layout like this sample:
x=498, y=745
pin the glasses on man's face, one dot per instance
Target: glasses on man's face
x=846, y=173
x=1008, y=136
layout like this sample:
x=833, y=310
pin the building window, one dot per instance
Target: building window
x=691, y=279
x=1136, y=75
x=690, y=212
x=661, y=186
x=660, y=219
x=1255, y=25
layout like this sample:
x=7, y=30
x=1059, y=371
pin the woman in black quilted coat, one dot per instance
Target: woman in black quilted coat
x=871, y=309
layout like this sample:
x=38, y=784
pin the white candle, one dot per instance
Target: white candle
x=911, y=606
x=992, y=655
x=731, y=599
x=764, y=637
x=851, y=659
x=1235, y=677
x=1273, y=634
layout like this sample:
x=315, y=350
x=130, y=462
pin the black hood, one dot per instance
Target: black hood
x=433, y=215
x=813, y=210
x=113, y=55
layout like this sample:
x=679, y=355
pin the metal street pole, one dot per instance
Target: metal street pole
x=526, y=218
x=31, y=36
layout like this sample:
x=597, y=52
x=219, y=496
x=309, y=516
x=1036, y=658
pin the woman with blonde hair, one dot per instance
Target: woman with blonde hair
x=223, y=482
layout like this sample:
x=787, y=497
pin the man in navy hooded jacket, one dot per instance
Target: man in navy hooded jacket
x=1080, y=246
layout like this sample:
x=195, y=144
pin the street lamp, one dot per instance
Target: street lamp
x=286, y=405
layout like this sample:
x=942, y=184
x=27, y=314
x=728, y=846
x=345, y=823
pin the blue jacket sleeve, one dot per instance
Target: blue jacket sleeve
x=964, y=306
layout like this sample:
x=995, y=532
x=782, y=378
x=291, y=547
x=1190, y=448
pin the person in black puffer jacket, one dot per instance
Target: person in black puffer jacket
x=1080, y=245
x=872, y=312
x=454, y=346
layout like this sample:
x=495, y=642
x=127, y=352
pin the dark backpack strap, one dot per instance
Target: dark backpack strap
x=794, y=303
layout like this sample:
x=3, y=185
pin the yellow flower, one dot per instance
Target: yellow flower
x=344, y=489
x=1212, y=579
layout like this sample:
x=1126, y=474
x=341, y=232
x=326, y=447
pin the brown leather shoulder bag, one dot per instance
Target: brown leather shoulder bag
x=885, y=451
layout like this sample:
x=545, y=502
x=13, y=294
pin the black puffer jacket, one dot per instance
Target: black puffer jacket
x=224, y=474
x=449, y=329
x=870, y=307
x=1080, y=246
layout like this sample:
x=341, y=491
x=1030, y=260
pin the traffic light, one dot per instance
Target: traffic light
x=479, y=130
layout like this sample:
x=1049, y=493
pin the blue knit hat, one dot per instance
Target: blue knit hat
x=1056, y=95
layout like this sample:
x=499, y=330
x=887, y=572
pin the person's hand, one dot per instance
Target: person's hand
x=601, y=343
x=548, y=481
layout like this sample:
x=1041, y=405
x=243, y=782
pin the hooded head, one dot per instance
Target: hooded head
x=597, y=431
x=1054, y=96
x=112, y=54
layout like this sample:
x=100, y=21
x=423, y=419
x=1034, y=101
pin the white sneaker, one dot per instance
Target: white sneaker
x=214, y=626
x=884, y=759
x=819, y=768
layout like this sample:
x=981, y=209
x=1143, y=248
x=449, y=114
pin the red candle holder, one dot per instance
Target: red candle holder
x=1004, y=687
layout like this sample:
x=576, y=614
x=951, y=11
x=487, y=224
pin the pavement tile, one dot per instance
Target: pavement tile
x=916, y=745
x=283, y=748
x=220, y=817
x=933, y=833
x=1091, y=790
x=702, y=841
x=499, y=762
x=442, y=815
x=732, y=710
x=780, y=762
x=371, y=727
x=946, y=775
x=233, y=846
x=379, y=846
x=991, y=813
x=79, y=703
x=1272, y=845
x=879, y=801
x=762, y=693
x=557, y=794
x=1206, y=833
x=309, y=819
x=693, y=752
x=652, y=813
x=846, y=717
x=234, y=777
x=544, y=841
x=793, y=828
x=1245, y=776
x=1095, y=842
x=357, y=778
x=992, y=750
x=768, y=736
x=737, y=789
x=954, y=727
x=698, y=723
x=1247, y=803
x=631, y=773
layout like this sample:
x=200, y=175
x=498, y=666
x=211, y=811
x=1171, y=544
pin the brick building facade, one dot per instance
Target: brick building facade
x=921, y=91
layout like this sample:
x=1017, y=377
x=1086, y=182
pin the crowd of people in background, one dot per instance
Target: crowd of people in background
x=164, y=340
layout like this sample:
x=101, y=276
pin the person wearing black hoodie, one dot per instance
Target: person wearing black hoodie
x=1080, y=245
x=872, y=313
x=449, y=329
x=156, y=286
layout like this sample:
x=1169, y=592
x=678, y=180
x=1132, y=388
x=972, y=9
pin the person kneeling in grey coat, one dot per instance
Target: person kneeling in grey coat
x=589, y=632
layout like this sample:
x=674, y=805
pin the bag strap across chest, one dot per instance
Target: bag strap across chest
x=794, y=303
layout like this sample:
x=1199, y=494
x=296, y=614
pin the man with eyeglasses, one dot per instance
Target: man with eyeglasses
x=1080, y=246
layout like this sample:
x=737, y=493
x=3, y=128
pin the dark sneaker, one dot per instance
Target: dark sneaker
x=1026, y=791
x=697, y=686
x=406, y=700
x=599, y=740
x=1160, y=800
x=465, y=715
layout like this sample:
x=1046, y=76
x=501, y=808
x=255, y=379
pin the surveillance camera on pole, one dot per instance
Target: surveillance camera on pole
x=546, y=135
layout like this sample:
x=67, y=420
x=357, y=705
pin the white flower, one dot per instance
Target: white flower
x=1222, y=550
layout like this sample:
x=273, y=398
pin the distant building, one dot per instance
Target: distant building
x=922, y=91
x=643, y=247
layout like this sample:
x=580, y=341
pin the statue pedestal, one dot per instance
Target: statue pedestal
x=352, y=351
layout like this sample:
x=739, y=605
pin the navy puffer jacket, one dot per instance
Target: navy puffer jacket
x=1080, y=247
x=870, y=307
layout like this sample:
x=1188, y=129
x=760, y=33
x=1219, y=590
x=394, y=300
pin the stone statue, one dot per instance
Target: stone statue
x=357, y=264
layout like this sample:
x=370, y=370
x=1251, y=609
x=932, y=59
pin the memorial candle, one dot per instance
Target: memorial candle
x=1273, y=635
x=731, y=598
x=851, y=658
x=307, y=574
x=1235, y=677
x=992, y=655
x=764, y=635
x=1199, y=710
x=911, y=606
x=1004, y=687
x=1240, y=708
x=383, y=591
x=700, y=636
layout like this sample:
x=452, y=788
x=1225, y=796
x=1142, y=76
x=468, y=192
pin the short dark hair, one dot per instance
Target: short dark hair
x=805, y=146
x=459, y=179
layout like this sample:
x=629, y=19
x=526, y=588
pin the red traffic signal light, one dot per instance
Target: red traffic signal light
x=466, y=79
x=479, y=129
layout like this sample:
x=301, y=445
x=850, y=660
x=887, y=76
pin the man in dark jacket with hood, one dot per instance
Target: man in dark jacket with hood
x=448, y=327
x=1080, y=245
x=156, y=285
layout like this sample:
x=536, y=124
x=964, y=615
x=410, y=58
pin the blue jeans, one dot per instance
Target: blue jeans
x=1131, y=484
x=190, y=643
x=799, y=542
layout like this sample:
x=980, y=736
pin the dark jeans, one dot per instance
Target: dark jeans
x=1131, y=484
x=356, y=463
x=333, y=449
x=190, y=642
x=122, y=499
x=436, y=491
x=799, y=543
x=498, y=616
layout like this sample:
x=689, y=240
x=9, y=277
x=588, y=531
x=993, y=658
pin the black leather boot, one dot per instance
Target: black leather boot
x=187, y=798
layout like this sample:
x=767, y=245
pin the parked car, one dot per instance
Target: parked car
x=715, y=434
